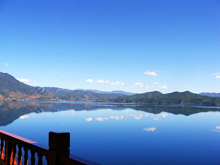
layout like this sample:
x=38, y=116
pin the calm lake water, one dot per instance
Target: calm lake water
x=122, y=133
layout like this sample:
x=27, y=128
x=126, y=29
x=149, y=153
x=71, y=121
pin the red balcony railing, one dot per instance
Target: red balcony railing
x=15, y=150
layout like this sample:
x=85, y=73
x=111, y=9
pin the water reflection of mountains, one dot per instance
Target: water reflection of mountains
x=10, y=111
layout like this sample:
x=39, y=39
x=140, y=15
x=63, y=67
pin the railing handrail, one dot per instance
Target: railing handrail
x=26, y=143
x=53, y=153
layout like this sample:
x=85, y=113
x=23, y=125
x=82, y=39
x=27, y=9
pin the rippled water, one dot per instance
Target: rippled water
x=121, y=133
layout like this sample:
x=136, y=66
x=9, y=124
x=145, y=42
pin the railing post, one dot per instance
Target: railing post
x=59, y=144
x=8, y=149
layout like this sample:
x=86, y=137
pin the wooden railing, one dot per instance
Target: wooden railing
x=15, y=150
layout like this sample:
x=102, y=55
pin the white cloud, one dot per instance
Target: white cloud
x=138, y=84
x=6, y=64
x=149, y=73
x=164, y=86
x=24, y=80
x=74, y=85
x=150, y=129
x=214, y=74
x=63, y=75
x=117, y=83
x=217, y=75
x=156, y=83
x=100, y=81
x=217, y=127
x=89, y=80
x=88, y=119
x=147, y=86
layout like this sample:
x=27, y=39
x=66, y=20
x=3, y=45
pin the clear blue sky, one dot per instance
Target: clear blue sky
x=135, y=46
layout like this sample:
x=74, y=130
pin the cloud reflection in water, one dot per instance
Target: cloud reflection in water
x=89, y=119
x=217, y=129
x=150, y=129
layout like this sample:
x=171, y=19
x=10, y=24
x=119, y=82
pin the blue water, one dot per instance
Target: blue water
x=124, y=134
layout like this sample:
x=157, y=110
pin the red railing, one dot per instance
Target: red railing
x=16, y=150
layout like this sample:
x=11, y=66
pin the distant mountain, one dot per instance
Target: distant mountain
x=82, y=95
x=79, y=95
x=147, y=95
x=57, y=91
x=62, y=92
x=171, y=98
x=210, y=94
x=12, y=89
x=123, y=92
x=93, y=90
x=109, y=92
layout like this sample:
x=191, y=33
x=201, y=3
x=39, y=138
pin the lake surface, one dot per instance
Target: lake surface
x=122, y=133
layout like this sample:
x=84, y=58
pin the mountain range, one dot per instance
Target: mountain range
x=156, y=97
x=210, y=94
x=13, y=90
